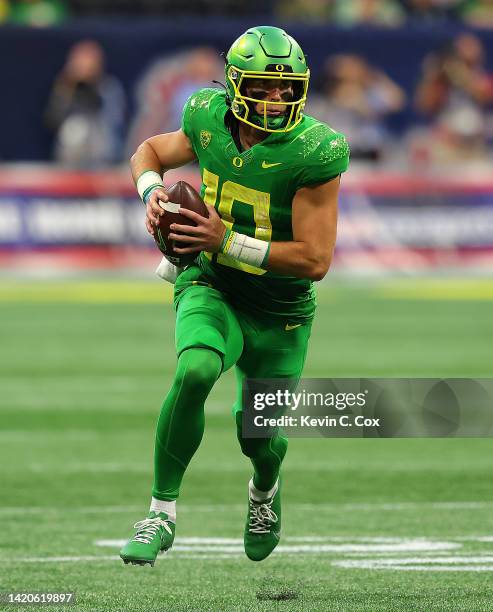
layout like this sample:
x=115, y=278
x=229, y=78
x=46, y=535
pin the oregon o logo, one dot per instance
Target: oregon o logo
x=237, y=162
x=279, y=67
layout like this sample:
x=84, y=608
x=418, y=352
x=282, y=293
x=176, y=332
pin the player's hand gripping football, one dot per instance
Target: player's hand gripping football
x=206, y=235
x=153, y=210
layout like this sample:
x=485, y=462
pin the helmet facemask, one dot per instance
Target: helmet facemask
x=244, y=107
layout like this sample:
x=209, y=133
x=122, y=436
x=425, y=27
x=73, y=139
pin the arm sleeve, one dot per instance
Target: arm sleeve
x=329, y=159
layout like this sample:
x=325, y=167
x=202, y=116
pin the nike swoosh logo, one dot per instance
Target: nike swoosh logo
x=267, y=165
x=289, y=327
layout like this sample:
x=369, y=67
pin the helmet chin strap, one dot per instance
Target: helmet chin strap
x=273, y=123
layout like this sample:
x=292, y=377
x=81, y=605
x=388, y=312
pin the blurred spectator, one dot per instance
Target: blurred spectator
x=165, y=88
x=313, y=11
x=455, y=92
x=368, y=12
x=167, y=8
x=40, y=13
x=432, y=10
x=356, y=99
x=478, y=13
x=86, y=110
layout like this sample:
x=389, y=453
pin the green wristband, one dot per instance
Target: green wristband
x=227, y=234
x=147, y=193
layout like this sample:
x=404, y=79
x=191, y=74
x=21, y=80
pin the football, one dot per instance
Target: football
x=183, y=195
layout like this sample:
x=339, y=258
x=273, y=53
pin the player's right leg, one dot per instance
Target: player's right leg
x=270, y=351
x=208, y=341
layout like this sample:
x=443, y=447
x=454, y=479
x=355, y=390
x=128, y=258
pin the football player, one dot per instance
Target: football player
x=270, y=180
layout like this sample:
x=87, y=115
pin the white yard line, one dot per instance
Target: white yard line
x=180, y=541
x=477, y=538
x=331, y=548
x=232, y=546
x=425, y=557
x=429, y=568
x=462, y=563
x=218, y=556
x=440, y=568
x=416, y=561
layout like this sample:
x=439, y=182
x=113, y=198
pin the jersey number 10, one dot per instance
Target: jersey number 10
x=231, y=192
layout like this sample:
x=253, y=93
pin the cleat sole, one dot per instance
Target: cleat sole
x=138, y=562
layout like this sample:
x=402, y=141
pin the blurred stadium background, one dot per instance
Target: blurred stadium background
x=87, y=330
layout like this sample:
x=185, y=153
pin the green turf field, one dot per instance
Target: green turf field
x=381, y=525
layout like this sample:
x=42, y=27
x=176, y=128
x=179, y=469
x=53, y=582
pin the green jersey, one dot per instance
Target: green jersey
x=253, y=191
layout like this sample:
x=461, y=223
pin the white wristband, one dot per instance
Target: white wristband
x=148, y=179
x=248, y=250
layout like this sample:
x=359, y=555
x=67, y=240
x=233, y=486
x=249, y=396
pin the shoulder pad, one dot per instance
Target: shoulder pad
x=203, y=98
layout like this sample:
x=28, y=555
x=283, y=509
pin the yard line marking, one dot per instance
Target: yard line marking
x=425, y=554
x=340, y=548
x=114, y=558
x=462, y=563
x=185, y=541
x=487, y=558
x=233, y=545
x=409, y=545
x=440, y=568
x=307, y=539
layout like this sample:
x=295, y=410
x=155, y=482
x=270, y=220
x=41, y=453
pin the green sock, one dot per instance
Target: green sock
x=266, y=455
x=181, y=423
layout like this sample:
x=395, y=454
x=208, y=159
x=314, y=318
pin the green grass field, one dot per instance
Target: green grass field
x=380, y=525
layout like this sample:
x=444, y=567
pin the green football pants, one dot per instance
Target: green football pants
x=211, y=337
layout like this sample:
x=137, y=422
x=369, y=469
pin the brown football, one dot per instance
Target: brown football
x=183, y=195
